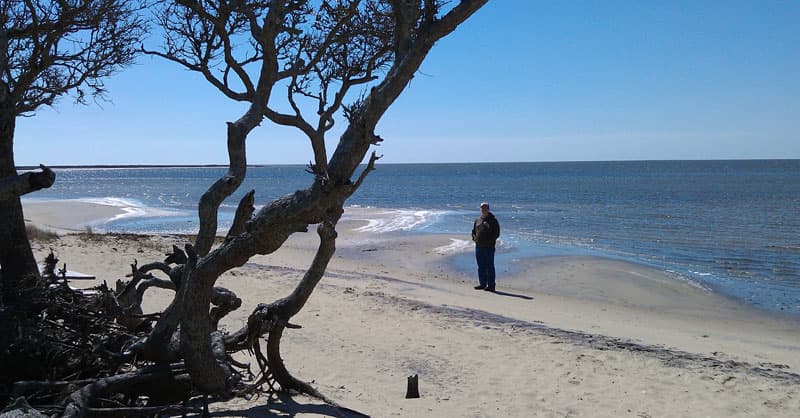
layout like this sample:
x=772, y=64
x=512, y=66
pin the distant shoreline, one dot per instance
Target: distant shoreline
x=102, y=166
x=113, y=166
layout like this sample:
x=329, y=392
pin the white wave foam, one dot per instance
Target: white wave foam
x=455, y=247
x=392, y=220
x=130, y=208
x=688, y=280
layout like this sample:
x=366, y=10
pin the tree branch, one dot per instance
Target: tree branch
x=225, y=302
x=220, y=30
x=244, y=212
x=447, y=24
x=320, y=204
x=331, y=36
x=237, y=170
x=206, y=72
x=277, y=314
x=13, y=187
x=289, y=120
x=370, y=167
x=78, y=402
x=57, y=48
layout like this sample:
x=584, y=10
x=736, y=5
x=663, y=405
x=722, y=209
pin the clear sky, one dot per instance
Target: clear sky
x=521, y=81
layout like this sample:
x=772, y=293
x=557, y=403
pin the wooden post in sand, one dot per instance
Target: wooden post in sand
x=412, y=390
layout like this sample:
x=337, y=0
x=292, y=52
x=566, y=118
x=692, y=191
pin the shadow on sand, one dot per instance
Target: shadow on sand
x=513, y=295
x=283, y=405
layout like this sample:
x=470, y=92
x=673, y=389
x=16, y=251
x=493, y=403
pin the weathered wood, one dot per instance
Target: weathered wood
x=22, y=184
x=277, y=314
x=209, y=372
x=368, y=169
x=20, y=409
x=257, y=94
x=157, y=346
x=226, y=185
x=244, y=212
x=274, y=223
x=279, y=372
x=191, y=306
x=17, y=264
x=225, y=302
x=412, y=388
x=289, y=306
x=141, y=410
x=190, y=322
x=79, y=401
x=177, y=256
x=22, y=387
x=188, y=330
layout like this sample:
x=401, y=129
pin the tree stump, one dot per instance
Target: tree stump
x=412, y=390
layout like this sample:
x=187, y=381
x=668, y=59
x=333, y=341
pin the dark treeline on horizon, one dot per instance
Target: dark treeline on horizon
x=30, y=167
x=101, y=166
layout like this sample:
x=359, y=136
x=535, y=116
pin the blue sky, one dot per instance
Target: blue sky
x=521, y=81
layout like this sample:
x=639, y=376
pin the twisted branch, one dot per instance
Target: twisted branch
x=13, y=187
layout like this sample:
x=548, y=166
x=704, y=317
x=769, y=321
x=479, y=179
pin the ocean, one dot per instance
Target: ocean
x=730, y=226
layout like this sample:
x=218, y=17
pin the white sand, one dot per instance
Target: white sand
x=574, y=336
x=68, y=215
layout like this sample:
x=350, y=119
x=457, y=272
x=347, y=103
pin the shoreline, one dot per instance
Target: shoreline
x=65, y=216
x=124, y=166
x=75, y=215
x=69, y=215
x=522, y=275
x=694, y=233
x=605, y=295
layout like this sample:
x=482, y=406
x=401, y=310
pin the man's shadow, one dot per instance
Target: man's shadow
x=283, y=405
x=513, y=295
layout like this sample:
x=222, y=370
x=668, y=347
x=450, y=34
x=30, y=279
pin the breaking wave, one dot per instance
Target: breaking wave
x=390, y=220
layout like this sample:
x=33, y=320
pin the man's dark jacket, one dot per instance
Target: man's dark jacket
x=485, y=231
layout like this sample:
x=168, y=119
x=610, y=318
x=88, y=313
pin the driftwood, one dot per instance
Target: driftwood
x=20, y=409
x=412, y=388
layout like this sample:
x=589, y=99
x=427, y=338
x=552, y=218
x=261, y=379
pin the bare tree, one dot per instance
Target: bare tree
x=50, y=48
x=318, y=51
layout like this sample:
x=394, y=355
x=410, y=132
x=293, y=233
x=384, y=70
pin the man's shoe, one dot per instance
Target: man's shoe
x=481, y=286
x=489, y=289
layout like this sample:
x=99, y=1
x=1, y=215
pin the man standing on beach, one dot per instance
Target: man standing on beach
x=485, y=232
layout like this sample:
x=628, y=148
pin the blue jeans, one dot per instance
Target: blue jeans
x=485, y=257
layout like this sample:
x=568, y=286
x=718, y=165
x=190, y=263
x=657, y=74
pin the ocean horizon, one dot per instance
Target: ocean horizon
x=257, y=165
x=732, y=226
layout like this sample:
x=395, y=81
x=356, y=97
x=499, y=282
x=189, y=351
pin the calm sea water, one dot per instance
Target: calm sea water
x=732, y=226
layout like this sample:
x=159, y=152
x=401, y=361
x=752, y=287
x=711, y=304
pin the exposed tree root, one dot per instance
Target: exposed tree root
x=85, y=345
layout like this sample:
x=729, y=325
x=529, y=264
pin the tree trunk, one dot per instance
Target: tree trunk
x=16, y=257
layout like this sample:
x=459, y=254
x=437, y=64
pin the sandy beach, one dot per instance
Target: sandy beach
x=566, y=336
x=68, y=215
